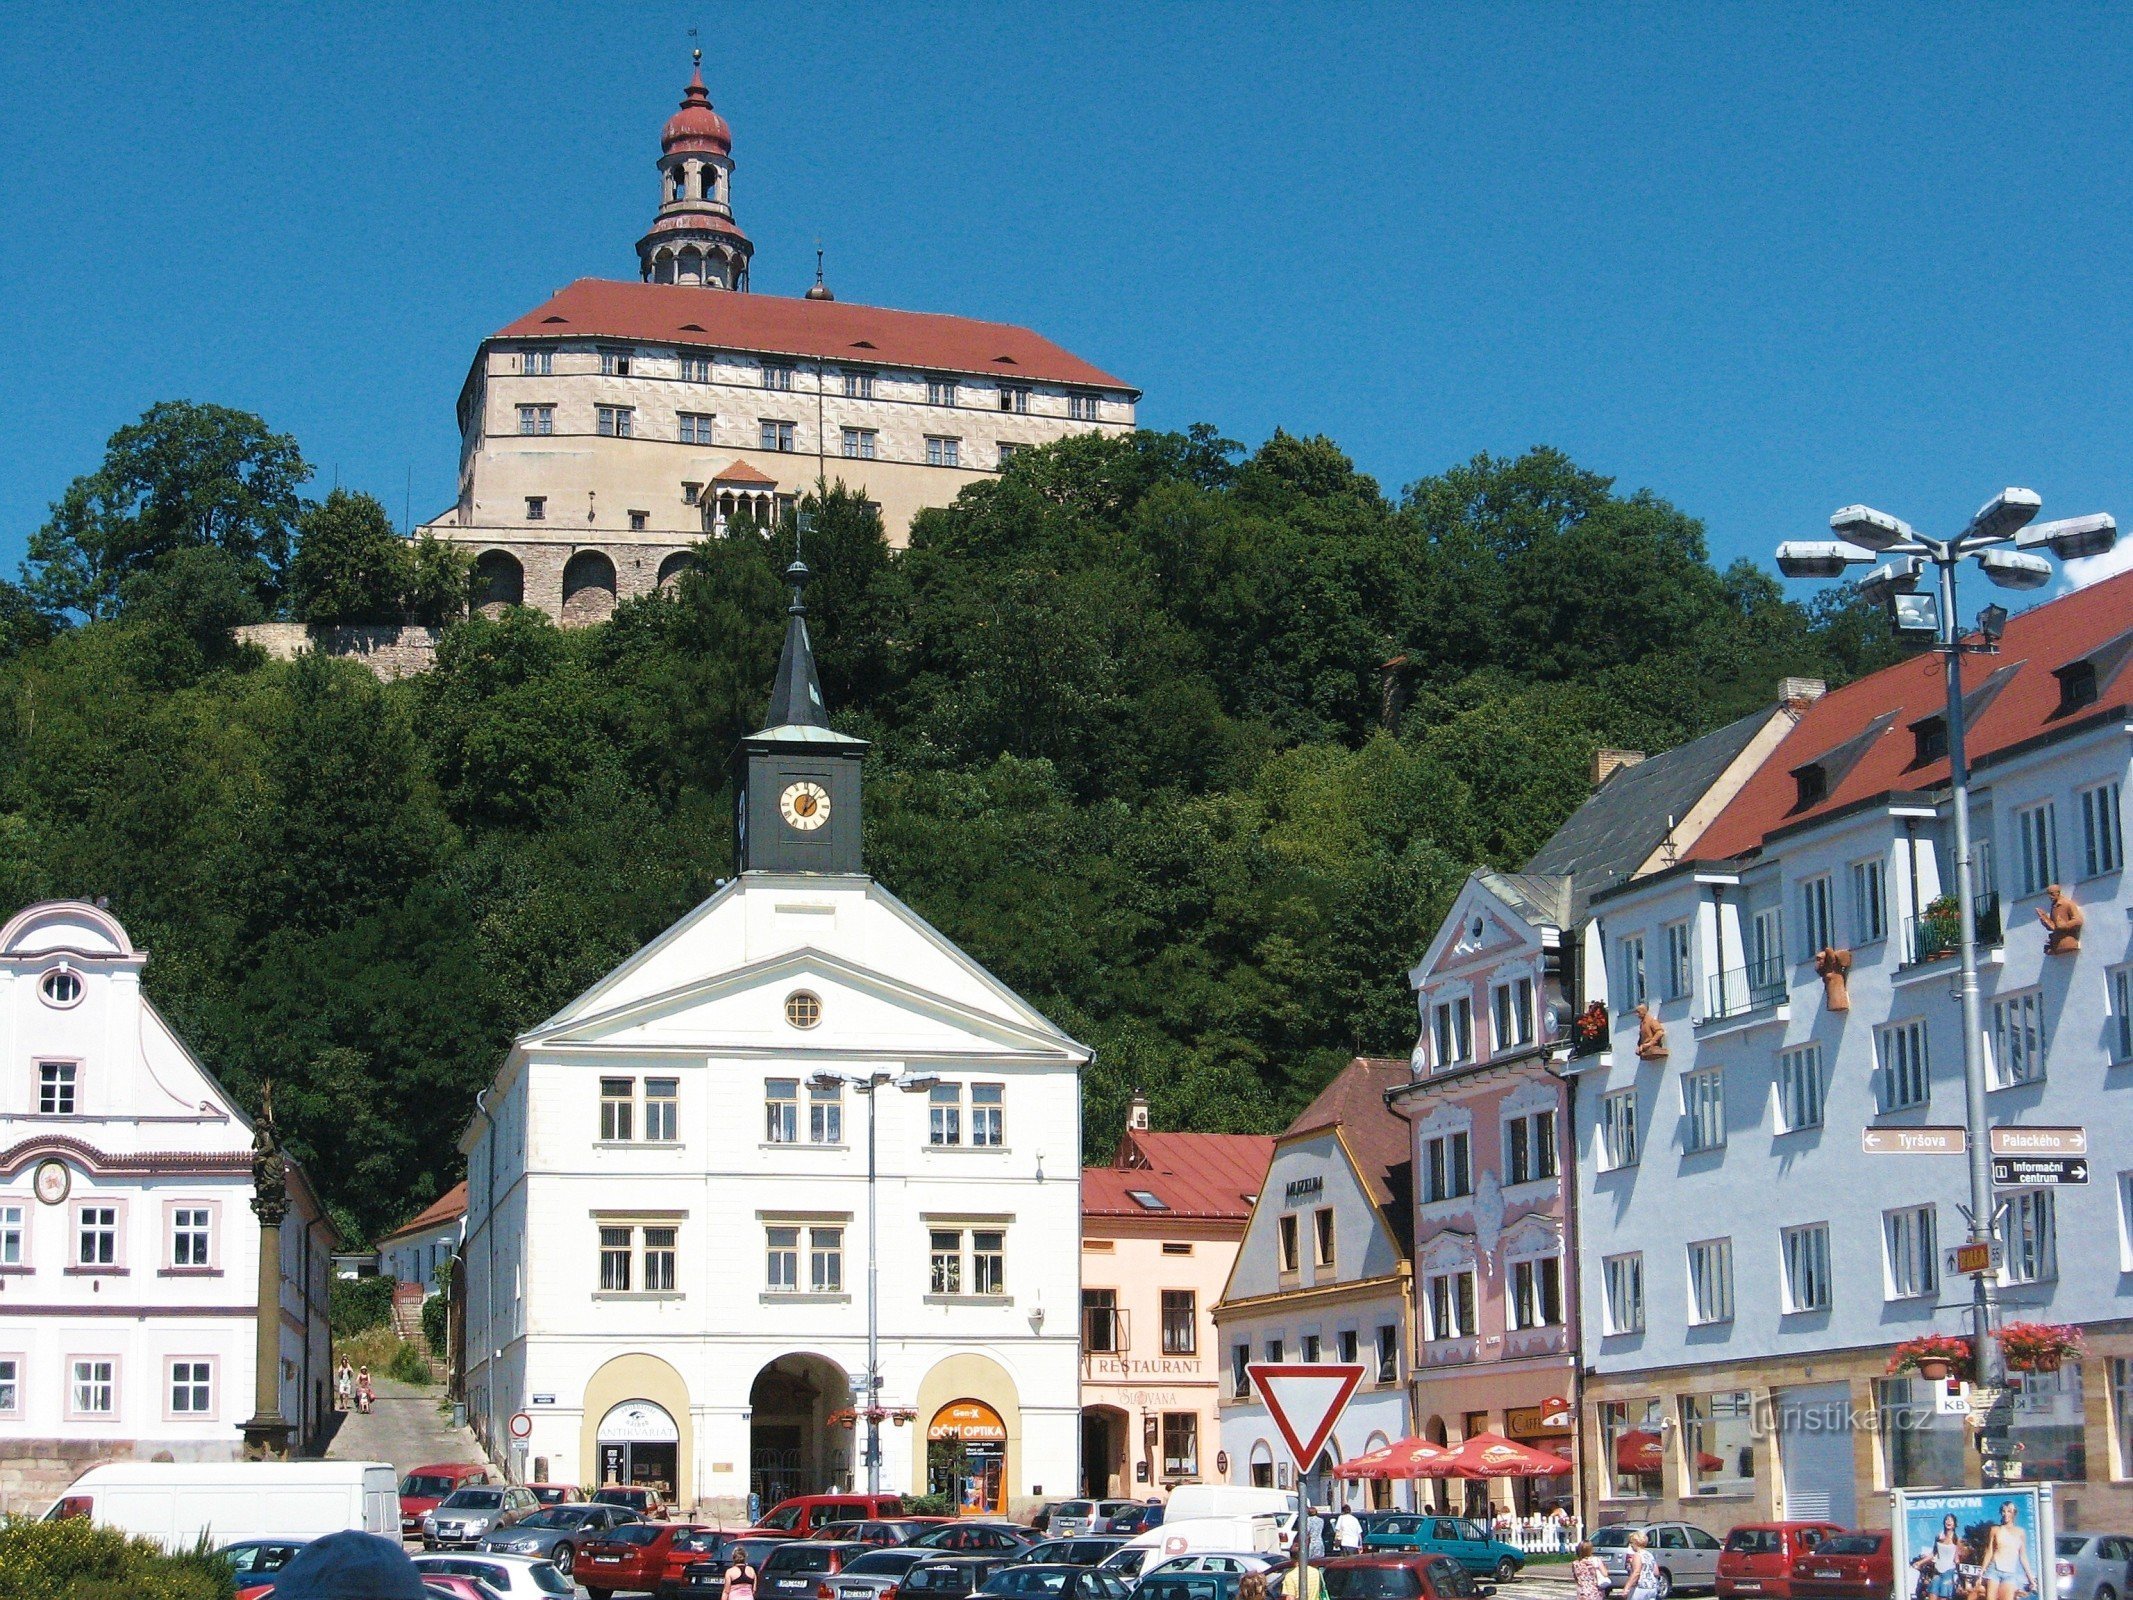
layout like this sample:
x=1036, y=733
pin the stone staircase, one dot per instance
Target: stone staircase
x=407, y=1323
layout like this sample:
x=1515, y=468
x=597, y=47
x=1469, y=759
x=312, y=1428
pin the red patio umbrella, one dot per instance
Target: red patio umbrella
x=1491, y=1455
x=1401, y=1459
x=1641, y=1450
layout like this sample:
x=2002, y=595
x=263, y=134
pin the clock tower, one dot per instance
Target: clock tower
x=796, y=782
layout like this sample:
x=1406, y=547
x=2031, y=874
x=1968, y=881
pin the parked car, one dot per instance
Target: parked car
x=426, y=1488
x=1848, y=1566
x=795, y=1571
x=875, y=1574
x=1758, y=1556
x=451, y=1586
x=1687, y=1556
x=1400, y=1577
x=705, y=1578
x=1462, y=1538
x=1041, y=1520
x=467, y=1516
x=874, y=1532
x=641, y=1557
x=257, y=1561
x=946, y=1577
x=2094, y=1566
x=633, y=1496
x=1085, y=1516
x=802, y=1514
x=1237, y=1561
x=1139, y=1519
x=1085, y=1551
x=557, y=1533
x=1053, y=1580
x=557, y=1494
x=975, y=1538
x=512, y=1577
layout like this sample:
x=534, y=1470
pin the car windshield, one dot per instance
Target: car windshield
x=475, y=1500
x=884, y=1563
x=1610, y=1538
x=634, y=1533
x=2070, y=1544
x=555, y=1517
x=549, y=1581
x=1078, y=1508
x=1852, y=1544
x=1448, y=1577
x=800, y=1558
x=1026, y=1580
x=1752, y=1541
x=426, y=1485
x=783, y=1517
x=1372, y=1583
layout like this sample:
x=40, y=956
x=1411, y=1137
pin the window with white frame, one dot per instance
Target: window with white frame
x=1287, y=1231
x=695, y=427
x=1806, y=1256
x=1014, y=397
x=1799, y=1089
x=825, y=1113
x=988, y=1261
x=1513, y=1006
x=2032, y=1237
x=1082, y=407
x=1870, y=908
x=537, y=363
x=781, y=1258
x=10, y=1386
x=615, y=363
x=825, y=1260
x=1308, y=1349
x=14, y=1235
x=661, y=1247
x=1902, y=1072
x=2018, y=1039
x=618, y=1105
x=781, y=1110
x=986, y=1108
x=858, y=385
x=615, y=422
x=1448, y=1171
x=1529, y=1147
x=56, y=1083
x=943, y=450
x=774, y=434
x=945, y=1114
x=2122, y=1014
x=694, y=368
x=1910, y=1252
x=1629, y=962
x=1454, y=1025
x=191, y=1232
x=96, y=1236
x=1537, y=1292
x=662, y=1110
x=2037, y=832
x=1703, y=1109
x=1679, y=944
x=639, y=1259
x=93, y=1386
x=1817, y=925
x=1622, y=1285
x=1618, y=1130
x=777, y=375
x=1710, y=1281
x=192, y=1387
x=536, y=419
x=2103, y=843
x=1324, y=1242
x=1766, y=947
x=859, y=444
x=940, y=391
x=1449, y=1300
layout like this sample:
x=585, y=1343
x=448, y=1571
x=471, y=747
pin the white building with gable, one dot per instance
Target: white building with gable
x=129, y=1251
x=666, y=1259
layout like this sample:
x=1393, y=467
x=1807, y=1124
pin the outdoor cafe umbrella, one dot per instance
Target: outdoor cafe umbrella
x=1641, y=1450
x=1403, y=1458
x=1491, y=1455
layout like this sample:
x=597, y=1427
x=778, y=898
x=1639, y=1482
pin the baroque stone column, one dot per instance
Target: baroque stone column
x=266, y=1434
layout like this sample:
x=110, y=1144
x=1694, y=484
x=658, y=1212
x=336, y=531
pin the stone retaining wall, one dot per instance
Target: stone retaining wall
x=390, y=652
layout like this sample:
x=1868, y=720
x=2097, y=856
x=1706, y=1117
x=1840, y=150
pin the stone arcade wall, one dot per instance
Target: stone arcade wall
x=389, y=652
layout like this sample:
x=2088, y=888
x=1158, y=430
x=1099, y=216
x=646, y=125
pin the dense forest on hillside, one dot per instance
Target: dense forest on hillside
x=1131, y=749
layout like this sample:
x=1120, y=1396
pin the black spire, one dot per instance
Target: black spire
x=796, y=696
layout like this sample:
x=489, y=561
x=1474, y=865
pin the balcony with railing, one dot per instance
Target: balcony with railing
x=1756, y=987
x=1938, y=933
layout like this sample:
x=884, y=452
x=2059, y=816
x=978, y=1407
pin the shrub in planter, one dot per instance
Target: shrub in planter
x=1933, y=1356
x=2038, y=1346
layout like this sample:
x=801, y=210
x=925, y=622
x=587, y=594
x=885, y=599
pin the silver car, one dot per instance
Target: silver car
x=557, y=1533
x=2094, y=1566
x=874, y=1574
x=467, y=1516
x=1687, y=1556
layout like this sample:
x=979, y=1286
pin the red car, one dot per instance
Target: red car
x=426, y=1488
x=1847, y=1566
x=643, y=1557
x=804, y=1513
x=557, y=1494
x=1388, y=1575
x=1758, y=1557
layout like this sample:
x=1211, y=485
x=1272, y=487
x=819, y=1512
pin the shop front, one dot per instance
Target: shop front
x=640, y=1445
x=1529, y=1405
x=966, y=1458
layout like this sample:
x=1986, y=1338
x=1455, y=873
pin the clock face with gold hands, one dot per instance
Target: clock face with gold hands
x=805, y=806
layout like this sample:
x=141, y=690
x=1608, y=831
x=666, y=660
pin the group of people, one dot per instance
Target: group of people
x=1987, y=1562
x=351, y=1388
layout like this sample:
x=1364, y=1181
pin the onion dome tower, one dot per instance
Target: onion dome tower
x=694, y=238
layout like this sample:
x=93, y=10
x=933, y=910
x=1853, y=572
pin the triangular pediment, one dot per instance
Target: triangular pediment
x=1481, y=928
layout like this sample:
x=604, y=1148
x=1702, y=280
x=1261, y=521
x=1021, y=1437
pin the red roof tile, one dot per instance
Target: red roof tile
x=742, y=472
x=830, y=330
x=1196, y=1175
x=1864, y=728
x=447, y=1207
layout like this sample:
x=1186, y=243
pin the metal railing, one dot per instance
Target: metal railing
x=1936, y=935
x=1751, y=988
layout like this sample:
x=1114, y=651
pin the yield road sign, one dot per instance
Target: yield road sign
x=1305, y=1400
x=2039, y=1172
x=1913, y=1141
x=2013, y=1141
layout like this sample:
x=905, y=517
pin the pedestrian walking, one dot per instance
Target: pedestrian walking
x=1348, y=1532
x=1642, y=1580
x=740, y=1577
x=1589, y=1573
x=364, y=1394
x=344, y=1385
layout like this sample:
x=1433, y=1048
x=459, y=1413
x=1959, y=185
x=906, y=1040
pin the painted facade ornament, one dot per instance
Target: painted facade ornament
x=1651, y=1035
x=2062, y=921
x=1488, y=1214
x=1834, y=968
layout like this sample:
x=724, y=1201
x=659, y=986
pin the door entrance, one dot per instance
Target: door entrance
x=1814, y=1439
x=639, y=1446
x=966, y=1457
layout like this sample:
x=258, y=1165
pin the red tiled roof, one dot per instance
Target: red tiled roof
x=1873, y=717
x=1375, y=1132
x=447, y=1207
x=829, y=330
x=1196, y=1175
x=742, y=472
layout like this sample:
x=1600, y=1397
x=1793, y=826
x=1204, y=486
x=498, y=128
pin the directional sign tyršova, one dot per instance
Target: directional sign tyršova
x=2039, y=1172
x=1913, y=1141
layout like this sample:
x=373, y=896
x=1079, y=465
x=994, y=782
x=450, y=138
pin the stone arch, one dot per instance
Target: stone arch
x=1377, y=1490
x=691, y=268
x=1106, y=1444
x=671, y=569
x=793, y=1446
x=646, y=1382
x=1438, y=1495
x=663, y=265
x=968, y=1379
x=1259, y=1465
x=588, y=588
x=499, y=582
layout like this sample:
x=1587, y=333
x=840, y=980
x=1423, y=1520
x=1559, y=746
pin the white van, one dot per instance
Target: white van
x=1192, y=1500
x=176, y=1503
x=1261, y=1535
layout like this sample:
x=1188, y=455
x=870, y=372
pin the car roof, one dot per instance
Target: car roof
x=450, y=1466
x=478, y=1555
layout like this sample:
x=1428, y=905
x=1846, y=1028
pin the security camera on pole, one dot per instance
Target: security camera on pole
x=2007, y=545
x=1305, y=1399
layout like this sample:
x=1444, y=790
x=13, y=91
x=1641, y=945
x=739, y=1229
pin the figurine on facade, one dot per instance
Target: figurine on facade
x=270, y=1168
x=1834, y=968
x=1651, y=1035
x=2062, y=921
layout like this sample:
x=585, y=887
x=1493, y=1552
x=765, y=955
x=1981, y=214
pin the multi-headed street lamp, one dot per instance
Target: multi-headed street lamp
x=868, y=1084
x=2008, y=548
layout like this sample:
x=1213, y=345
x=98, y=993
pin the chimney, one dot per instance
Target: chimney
x=1137, y=1114
x=1606, y=763
x=1800, y=693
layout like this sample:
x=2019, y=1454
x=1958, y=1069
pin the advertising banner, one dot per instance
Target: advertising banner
x=1974, y=1544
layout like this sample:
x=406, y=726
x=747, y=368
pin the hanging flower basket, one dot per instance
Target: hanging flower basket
x=1933, y=1356
x=2038, y=1346
x=1588, y=1031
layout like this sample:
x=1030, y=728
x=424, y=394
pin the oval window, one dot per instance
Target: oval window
x=803, y=1010
x=61, y=987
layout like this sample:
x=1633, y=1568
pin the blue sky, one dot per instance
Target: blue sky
x=1761, y=260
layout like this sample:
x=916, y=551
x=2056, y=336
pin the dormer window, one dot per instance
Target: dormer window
x=2077, y=685
x=1813, y=784
x=62, y=987
x=1929, y=740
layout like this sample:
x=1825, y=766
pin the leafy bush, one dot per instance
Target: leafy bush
x=929, y=1505
x=409, y=1365
x=436, y=1324
x=360, y=1304
x=77, y=1560
x=372, y=1348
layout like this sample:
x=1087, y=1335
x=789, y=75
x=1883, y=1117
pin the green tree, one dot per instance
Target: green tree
x=349, y=565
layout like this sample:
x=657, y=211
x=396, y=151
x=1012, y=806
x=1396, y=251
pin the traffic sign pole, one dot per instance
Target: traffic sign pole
x=1305, y=1399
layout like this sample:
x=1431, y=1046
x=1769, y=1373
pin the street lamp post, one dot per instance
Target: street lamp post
x=910, y=1083
x=2007, y=548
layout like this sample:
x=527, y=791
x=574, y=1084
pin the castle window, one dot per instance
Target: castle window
x=616, y=422
x=859, y=443
x=615, y=363
x=639, y=521
x=858, y=385
x=695, y=427
x=1013, y=397
x=940, y=391
x=777, y=375
x=776, y=435
x=536, y=419
x=691, y=493
x=695, y=369
x=1008, y=451
x=60, y=987
x=536, y=508
x=55, y=1088
x=942, y=451
x=536, y=363
x=1082, y=407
